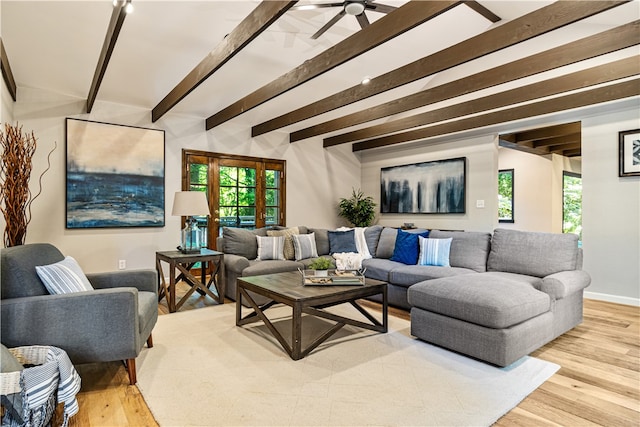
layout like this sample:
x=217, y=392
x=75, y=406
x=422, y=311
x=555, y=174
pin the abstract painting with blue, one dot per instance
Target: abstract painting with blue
x=115, y=175
x=436, y=187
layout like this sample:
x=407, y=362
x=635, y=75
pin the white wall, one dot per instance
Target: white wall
x=482, y=181
x=537, y=189
x=610, y=210
x=316, y=178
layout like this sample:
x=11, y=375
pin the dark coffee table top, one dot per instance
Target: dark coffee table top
x=289, y=286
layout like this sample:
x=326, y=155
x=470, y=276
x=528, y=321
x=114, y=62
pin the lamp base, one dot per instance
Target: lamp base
x=189, y=251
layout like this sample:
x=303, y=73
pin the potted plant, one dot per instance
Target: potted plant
x=321, y=265
x=359, y=209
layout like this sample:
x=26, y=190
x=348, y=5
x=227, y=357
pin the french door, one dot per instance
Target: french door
x=246, y=192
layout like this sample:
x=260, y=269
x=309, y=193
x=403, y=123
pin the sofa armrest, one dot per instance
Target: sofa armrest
x=235, y=263
x=93, y=326
x=564, y=283
x=143, y=280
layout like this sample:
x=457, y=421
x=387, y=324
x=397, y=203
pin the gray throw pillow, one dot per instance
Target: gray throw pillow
x=242, y=242
x=322, y=240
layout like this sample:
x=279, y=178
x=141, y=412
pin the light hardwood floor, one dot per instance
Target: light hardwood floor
x=598, y=382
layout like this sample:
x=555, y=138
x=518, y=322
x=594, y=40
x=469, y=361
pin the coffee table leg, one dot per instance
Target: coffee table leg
x=296, y=332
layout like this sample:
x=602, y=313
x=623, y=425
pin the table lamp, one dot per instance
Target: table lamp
x=190, y=204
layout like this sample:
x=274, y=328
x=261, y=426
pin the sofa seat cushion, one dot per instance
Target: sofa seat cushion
x=408, y=275
x=379, y=268
x=482, y=299
x=258, y=268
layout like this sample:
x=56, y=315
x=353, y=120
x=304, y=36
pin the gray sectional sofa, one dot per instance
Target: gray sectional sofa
x=504, y=295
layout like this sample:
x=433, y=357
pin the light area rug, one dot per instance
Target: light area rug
x=205, y=371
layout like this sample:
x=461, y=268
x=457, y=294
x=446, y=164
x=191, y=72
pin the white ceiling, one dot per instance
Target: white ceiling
x=55, y=45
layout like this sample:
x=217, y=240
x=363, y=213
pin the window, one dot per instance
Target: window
x=505, y=195
x=572, y=203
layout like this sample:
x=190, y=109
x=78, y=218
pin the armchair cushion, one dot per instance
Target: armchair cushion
x=63, y=277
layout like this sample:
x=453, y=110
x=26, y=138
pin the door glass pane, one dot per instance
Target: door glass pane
x=199, y=181
x=272, y=216
x=238, y=197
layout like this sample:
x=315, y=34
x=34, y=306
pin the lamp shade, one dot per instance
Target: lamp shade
x=190, y=203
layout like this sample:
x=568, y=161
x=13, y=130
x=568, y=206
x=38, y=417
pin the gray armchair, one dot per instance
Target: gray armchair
x=112, y=322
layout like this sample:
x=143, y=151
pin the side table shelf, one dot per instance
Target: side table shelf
x=180, y=266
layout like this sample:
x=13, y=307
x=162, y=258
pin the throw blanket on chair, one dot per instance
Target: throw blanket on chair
x=53, y=371
x=353, y=260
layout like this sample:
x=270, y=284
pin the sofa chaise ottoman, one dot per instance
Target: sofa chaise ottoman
x=530, y=294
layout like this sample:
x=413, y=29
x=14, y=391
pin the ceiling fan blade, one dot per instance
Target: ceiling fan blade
x=362, y=20
x=329, y=24
x=382, y=8
x=316, y=6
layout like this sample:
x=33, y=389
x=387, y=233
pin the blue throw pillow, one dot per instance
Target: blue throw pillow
x=407, y=248
x=342, y=241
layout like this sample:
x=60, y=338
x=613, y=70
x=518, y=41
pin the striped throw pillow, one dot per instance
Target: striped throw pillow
x=434, y=251
x=305, y=246
x=287, y=249
x=270, y=247
x=64, y=277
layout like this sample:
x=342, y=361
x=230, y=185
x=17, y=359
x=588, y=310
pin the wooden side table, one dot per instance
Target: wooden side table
x=183, y=263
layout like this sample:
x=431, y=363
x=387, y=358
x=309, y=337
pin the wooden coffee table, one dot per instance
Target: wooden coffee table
x=287, y=288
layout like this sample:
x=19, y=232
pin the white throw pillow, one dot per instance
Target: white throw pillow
x=63, y=277
x=434, y=251
x=305, y=246
x=270, y=248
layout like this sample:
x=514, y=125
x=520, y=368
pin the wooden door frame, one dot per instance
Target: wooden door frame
x=212, y=160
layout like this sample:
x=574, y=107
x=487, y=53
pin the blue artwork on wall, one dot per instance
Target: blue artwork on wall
x=436, y=187
x=115, y=175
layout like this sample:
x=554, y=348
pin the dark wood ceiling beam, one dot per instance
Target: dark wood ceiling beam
x=579, y=80
x=115, y=24
x=265, y=14
x=548, y=132
x=522, y=147
x=561, y=148
x=586, y=48
x=543, y=20
x=482, y=11
x=558, y=140
x=7, y=74
x=598, y=95
x=391, y=25
x=572, y=153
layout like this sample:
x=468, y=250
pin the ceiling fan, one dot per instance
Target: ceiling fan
x=349, y=7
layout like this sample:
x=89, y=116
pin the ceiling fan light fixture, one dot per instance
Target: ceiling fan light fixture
x=354, y=8
x=366, y=80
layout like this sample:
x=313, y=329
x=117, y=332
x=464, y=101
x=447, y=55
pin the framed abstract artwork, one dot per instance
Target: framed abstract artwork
x=436, y=187
x=114, y=175
x=629, y=146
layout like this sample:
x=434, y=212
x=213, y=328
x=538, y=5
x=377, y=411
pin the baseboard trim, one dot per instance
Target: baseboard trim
x=613, y=298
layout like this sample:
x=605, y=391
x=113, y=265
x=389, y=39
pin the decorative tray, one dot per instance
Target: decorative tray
x=333, y=277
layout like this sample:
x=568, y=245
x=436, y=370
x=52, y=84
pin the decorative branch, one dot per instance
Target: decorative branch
x=15, y=171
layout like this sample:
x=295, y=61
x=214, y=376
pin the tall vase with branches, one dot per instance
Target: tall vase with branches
x=16, y=198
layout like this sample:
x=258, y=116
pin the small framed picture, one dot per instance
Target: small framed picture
x=629, y=153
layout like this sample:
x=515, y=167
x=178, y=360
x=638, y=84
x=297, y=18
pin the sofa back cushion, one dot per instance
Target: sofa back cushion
x=322, y=240
x=18, y=269
x=386, y=243
x=240, y=241
x=532, y=253
x=469, y=249
x=372, y=236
